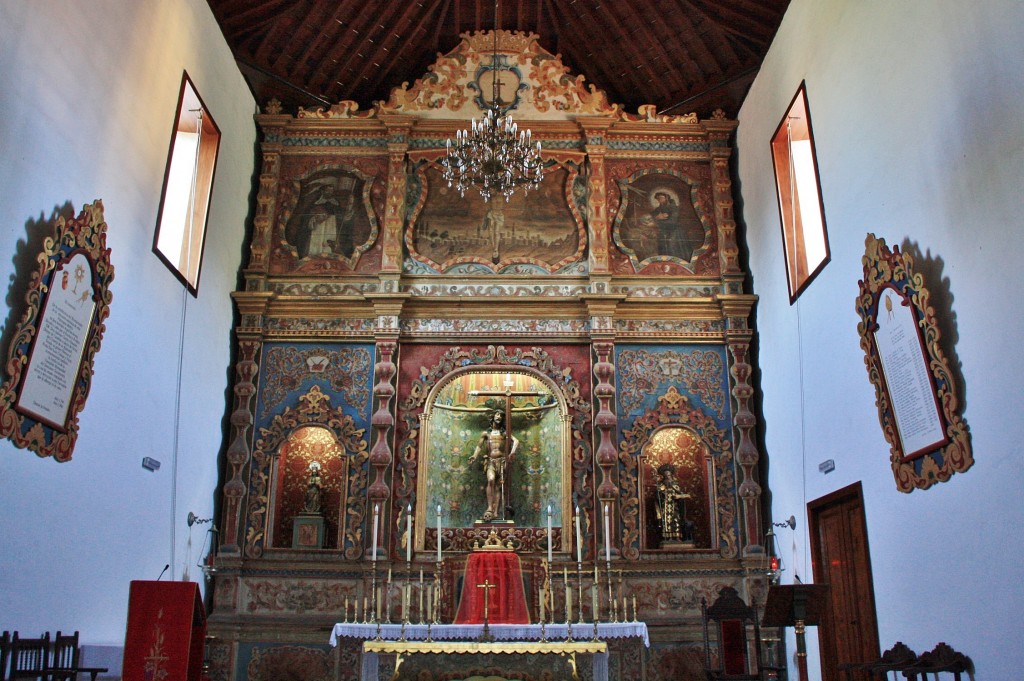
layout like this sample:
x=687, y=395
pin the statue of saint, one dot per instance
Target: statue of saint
x=314, y=489
x=671, y=507
x=495, y=458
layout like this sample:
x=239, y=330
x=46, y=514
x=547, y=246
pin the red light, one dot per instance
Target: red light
x=775, y=562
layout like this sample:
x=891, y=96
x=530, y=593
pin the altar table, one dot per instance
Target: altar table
x=468, y=635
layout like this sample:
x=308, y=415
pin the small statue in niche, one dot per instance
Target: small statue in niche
x=671, y=508
x=314, y=489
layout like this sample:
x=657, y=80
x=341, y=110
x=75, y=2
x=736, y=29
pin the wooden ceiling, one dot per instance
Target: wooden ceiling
x=681, y=55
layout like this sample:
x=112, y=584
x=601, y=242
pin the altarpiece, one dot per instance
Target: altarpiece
x=382, y=317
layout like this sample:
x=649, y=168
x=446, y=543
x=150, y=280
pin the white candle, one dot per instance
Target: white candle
x=607, y=535
x=376, y=518
x=438, y=535
x=579, y=538
x=408, y=534
x=550, y=538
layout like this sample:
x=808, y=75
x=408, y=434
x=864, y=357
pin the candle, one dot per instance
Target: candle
x=579, y=538
x=408, y=534
x=346, y=608
x=607, y=535
x=365, y=618
x=376, y=518
x=550, y=538
x=438, y=535
x=634, y=607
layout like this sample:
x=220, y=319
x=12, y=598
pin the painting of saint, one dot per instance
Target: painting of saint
x=657, y=219
x=330, y=219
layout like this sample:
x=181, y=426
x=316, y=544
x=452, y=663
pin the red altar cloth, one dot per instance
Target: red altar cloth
x=507, y=601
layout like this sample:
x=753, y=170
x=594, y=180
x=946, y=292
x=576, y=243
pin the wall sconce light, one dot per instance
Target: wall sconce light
x=207, y=566
x=773, y=567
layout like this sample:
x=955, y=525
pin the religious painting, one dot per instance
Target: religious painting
x=480, y=471
x=536, y=232
x=330, y=217
x=659, y=219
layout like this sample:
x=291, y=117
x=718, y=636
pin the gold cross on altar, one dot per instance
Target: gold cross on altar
x=486, y=586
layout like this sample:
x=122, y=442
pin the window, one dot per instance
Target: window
x=800, y=206
x=188, y=181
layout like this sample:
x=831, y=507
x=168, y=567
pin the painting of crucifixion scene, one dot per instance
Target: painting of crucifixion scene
x=538, y=231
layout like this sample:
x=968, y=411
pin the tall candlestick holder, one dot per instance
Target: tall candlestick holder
x=436, y=614
x=568, y=607
x=611, y=598
x=579, y=588
x=373, y=593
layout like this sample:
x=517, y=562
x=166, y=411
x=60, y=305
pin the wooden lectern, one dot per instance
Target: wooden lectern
x=797, y=606
x=166, y=632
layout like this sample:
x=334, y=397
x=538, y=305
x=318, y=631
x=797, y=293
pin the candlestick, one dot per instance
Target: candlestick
x=376, y=518
x=430, y=609
x=346, y=609
x=634, y=608
x=542, y=604
x=419, y=600
x=408, y=534
x=550, y=538
x=579, y=538
x=438, y=534
x=607, y=535
x=379, y=599
x=593, y=594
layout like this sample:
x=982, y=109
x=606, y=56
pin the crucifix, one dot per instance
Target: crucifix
x=486, y=586
x=500, y=448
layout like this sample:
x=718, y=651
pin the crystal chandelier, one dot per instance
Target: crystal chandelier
x=493, y=155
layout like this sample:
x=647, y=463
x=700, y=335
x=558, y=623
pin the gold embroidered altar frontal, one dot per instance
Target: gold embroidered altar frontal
x=567, y=649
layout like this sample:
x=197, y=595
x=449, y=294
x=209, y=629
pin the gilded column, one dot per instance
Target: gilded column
x=272, y=125
x=238, y=452
x=719, y=131
x=598, y=229
x=394, y=212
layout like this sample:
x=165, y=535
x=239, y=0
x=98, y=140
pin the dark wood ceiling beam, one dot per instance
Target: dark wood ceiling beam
x=329, y=67
x=372, y=61
x=729, y=16
x=693, y=44
x=666, y=76
x=236, y=24
x=621, y=40
x=595, y=71
x=712, y=14
x=329, y=27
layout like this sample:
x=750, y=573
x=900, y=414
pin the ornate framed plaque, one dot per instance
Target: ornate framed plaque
x=50, y=358
x=915, y=389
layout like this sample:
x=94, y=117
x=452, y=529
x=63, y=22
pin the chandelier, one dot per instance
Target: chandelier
x=493, y=156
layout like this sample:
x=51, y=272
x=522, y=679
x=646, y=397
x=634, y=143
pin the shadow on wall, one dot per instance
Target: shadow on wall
x=24, y=264
x=930, y=268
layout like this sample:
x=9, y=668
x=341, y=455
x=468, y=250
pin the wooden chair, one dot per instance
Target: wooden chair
x=943, y=659
x=29, y=657
x=64, y=662
x=731, y=618
x=898, y=659
x=5, y=654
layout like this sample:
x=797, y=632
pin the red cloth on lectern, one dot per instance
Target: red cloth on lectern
x=506, y=603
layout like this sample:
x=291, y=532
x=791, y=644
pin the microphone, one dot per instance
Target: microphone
x=163, y=571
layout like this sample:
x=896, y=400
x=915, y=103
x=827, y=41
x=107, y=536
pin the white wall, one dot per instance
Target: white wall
x=88, y=99
x=918, y=115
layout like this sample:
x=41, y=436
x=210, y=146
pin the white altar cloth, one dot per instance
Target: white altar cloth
x=500, y=632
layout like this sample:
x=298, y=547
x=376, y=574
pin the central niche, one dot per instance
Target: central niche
x=456, y=419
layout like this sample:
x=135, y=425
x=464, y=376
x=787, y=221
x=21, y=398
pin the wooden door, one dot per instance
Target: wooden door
x=839, y=553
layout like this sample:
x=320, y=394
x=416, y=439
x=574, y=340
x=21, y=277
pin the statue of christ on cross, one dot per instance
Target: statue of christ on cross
x=498, y=446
